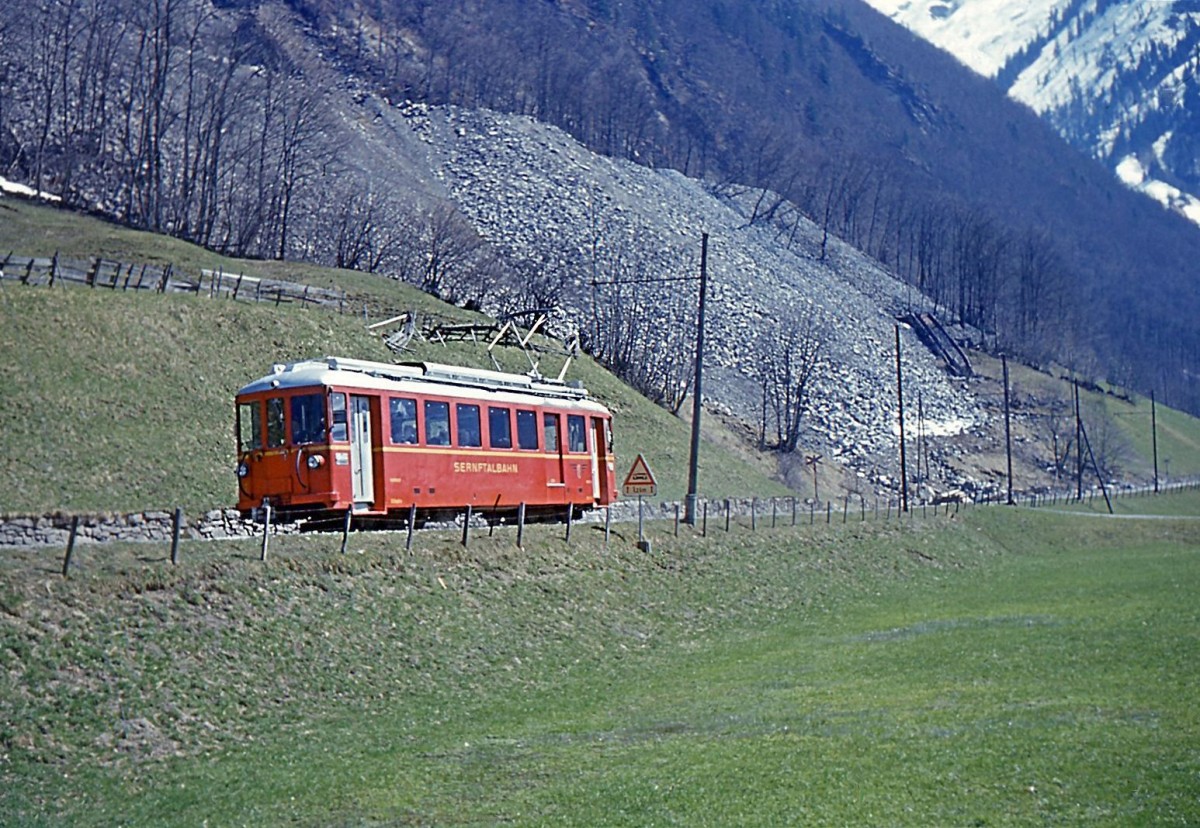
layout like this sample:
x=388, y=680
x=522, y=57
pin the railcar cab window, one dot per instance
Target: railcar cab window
x=527, y=430
x=437, y=423
x=276, y=435
x=337, y=403
x=250, y=426
x=404, y=420
x=550, y=429
x=308, y=419
x=576, y=433
x=469, y=432
x=499, y=428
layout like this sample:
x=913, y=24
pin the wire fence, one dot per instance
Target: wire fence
x=655, y=521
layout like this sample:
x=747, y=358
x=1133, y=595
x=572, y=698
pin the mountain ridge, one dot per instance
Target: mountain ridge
x=1116, y=79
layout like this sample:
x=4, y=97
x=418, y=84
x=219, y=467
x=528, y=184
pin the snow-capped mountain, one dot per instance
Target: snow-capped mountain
x=1119, y=79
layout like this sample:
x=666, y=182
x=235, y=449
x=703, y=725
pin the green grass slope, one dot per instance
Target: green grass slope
x=122, y=402
x=1002, y=667
x=1118, y=424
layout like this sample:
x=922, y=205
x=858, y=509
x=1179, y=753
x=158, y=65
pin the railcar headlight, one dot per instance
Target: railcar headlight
x=315, y=461
x=242, y=470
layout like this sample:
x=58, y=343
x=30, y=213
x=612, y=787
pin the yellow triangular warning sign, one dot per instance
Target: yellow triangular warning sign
x=640, y=480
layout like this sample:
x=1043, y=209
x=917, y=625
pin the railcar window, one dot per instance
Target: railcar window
x=339, y=432
x=275, y=423
x=250, y=430
x=550, y=428
x=404, y=420
x=469, y=432
x=576, y=433
x=527, y=430
x=308, y=419
x=437, y=423
x=499, y=428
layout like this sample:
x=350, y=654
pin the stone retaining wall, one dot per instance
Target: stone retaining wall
x=139, y=527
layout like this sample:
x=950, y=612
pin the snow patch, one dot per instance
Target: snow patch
x=13, y=188
x=1131, y=172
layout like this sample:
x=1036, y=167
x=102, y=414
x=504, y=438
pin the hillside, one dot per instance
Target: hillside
x=123, y=402
x=141, y=386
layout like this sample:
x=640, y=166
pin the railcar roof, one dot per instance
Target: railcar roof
x=417, y=377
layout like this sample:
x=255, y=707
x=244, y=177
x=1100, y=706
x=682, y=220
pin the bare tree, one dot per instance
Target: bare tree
x=440, y=252
x=1109, y=445
x=301, y=151
x=642, y=327
x=1058, y=428
x=788, y=355
x=367, y=230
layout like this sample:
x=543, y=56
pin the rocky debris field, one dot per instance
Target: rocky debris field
x=534, y=191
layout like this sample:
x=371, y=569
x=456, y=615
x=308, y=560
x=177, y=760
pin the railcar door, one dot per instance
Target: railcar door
x=601, y=460
x=362, y=457
x=276, y=466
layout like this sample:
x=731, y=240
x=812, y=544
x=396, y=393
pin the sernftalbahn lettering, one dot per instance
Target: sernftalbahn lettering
x=485, y=468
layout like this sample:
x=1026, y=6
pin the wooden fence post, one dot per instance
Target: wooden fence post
x=346, y=529
x=176, y=524
x=266, y=531
x=70, y=545
x=412, y=520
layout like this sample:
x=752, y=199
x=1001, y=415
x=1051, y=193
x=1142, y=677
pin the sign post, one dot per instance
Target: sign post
x=640, y=482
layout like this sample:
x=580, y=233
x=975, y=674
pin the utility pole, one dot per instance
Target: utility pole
x=900, y=399
x=693, y=461
x=1078, y=444
x=1154, y=439
x=1007, y=429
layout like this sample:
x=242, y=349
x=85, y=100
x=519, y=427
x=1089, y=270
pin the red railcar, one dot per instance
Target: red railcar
x=329, y=435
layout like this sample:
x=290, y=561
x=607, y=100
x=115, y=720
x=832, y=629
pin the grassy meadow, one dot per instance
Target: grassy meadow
x=998, y=667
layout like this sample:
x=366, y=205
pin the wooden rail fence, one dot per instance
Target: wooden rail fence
x=108, y=274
